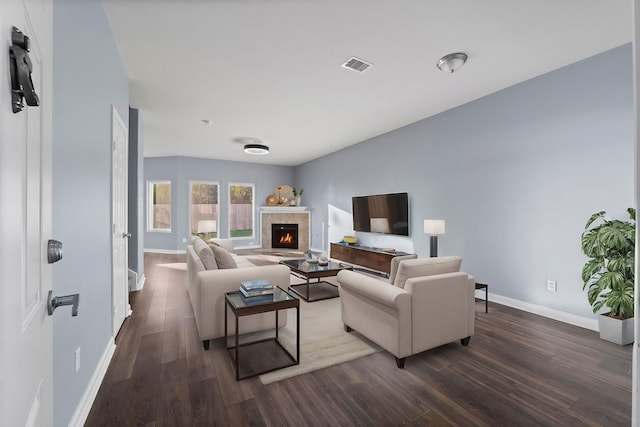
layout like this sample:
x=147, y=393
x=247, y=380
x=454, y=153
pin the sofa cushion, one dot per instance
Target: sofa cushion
x=223, y=258
x=408, y=269
x=395, y=262
x=205, y=254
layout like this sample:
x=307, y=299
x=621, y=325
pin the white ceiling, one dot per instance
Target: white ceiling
x=270, y=69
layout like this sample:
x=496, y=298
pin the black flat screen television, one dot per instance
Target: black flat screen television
x=382, y=213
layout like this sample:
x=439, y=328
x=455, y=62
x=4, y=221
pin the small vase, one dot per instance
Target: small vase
x=297, y=200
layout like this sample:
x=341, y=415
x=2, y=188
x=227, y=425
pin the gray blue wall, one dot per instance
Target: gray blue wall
x=181, y=170
x=88, y=78
x=515, y=174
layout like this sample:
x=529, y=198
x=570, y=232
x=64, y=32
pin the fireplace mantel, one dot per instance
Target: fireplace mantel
x=285, y=215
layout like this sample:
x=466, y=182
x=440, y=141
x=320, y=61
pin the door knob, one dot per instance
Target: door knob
x=54, y=251
x=55, y=302
x=126, y=235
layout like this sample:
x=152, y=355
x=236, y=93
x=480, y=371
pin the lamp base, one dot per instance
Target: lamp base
x=434, y=246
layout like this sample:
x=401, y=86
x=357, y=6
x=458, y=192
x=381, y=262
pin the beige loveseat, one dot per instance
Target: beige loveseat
x=429, y=303
x=214, y=270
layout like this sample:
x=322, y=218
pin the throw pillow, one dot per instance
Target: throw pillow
x=426, y=267
x=223, y=258
x=206, y=254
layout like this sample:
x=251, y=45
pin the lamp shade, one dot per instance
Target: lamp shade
x=434, y=227
x=207, y=226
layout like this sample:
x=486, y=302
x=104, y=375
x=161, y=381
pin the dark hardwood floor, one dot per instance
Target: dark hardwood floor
x=519, y=370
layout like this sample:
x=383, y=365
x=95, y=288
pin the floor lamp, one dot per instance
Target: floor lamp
x=434, y=227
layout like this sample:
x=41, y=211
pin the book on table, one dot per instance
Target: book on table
x=256, y=288
x=256, y=292
x=253, y=285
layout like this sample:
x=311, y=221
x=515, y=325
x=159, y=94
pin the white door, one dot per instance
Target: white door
x=120, y=286
x=26, y=361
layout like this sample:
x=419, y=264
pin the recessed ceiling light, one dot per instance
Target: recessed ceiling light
x=258, y=149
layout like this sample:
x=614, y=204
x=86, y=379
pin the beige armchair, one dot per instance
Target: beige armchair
x=429, y=304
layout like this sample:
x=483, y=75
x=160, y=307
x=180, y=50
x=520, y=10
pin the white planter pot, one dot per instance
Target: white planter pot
x=615, y=330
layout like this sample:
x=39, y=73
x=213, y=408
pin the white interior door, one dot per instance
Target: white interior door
x=26, y=361
x=120, y=286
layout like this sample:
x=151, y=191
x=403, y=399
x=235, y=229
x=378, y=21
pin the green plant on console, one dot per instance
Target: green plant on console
x=297, y=193
x=609, y=274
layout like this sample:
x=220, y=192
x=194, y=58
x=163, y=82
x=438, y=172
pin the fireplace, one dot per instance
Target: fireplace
x=284, y=236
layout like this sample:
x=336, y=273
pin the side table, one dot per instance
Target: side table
x=486, y=295
x=265, y=354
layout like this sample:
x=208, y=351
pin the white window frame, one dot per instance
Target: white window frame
x=217, y=184
x=150, y=211
x=253, y=209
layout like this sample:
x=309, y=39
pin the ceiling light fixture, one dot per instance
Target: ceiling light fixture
x=258, y=149
x=452, y=62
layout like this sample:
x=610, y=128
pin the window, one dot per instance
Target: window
x=241, y=218
x=204, y=209
x=159, y=206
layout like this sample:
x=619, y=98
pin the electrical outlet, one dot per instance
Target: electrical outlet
x=77, y=357
x=184, y=240
x=552, y=285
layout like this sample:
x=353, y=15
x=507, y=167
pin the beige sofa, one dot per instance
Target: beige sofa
x=213, y=271
x=429, y=303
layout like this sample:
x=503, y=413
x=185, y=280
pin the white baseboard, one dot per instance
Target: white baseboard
x=166, y=251
x=84, y=406
x=140, y=284
x=551, y=313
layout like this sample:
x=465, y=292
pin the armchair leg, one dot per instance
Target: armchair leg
x=465, y=341
x=347, y=328
x=205, y=343
x=400, y=362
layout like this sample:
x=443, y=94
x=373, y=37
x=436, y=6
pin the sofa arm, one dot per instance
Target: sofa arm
x=377, y=310
x=368, y=287
x=213, y=284
x=446, y=300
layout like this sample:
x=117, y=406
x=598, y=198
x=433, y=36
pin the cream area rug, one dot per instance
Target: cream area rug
x=323, y=340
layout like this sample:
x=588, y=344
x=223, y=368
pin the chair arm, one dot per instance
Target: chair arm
x=371, y=288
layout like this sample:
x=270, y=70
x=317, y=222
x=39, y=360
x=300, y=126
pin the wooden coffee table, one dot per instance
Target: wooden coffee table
x=314, y=291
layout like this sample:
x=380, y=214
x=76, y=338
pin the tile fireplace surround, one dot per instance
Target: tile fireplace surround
x=285, y=215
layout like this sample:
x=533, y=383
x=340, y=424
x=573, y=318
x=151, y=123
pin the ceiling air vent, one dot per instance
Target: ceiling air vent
x=356, y=64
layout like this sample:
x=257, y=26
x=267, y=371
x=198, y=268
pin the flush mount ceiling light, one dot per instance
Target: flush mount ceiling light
x=452, y=62
x=258, y=149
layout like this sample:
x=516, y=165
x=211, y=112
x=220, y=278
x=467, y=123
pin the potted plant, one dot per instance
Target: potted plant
x=609, y=274
x=297, y=194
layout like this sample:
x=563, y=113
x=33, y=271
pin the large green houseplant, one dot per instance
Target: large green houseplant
x=609, y=274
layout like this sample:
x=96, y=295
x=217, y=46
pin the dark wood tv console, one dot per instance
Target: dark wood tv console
x=372, y=258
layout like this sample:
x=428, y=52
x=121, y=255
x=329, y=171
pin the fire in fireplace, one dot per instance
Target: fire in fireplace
x=284, y=236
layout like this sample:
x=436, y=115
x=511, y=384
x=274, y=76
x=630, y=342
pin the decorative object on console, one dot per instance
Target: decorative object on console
x=350, y=240
x=452, y=62
x=434, y=227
